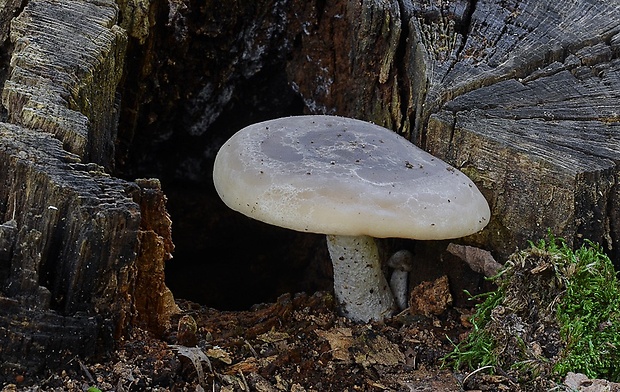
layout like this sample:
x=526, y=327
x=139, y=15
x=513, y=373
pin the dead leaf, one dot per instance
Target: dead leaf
x=219, y=354
x=339, y=339
x=260, y=384
x=273, y=336
x=197, y=356
x=479, y=260
x=372, y=349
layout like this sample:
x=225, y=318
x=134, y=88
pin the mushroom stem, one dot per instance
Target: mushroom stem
x=402, y=263
x=361, y=290
x=398, y=284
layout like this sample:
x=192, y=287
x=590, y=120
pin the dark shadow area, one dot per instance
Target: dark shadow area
x=223, y=259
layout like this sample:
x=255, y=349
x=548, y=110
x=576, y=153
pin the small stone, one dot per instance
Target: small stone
x=580, y=382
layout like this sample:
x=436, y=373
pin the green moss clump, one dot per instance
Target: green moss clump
x=554, y=311
x=589, y=315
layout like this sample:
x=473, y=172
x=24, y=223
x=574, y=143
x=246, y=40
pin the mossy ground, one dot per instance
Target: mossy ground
x=554, y=311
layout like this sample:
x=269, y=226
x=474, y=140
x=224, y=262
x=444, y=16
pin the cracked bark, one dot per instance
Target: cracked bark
x=520, y=96
x=71, y=233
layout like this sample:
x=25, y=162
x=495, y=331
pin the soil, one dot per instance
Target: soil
x=298, y=343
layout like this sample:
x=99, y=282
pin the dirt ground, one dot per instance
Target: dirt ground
x=297, y=344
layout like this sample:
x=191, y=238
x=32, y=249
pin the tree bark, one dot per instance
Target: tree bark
x=520, y=96
x=76, y=243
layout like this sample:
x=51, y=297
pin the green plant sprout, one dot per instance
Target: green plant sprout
x=554, y=311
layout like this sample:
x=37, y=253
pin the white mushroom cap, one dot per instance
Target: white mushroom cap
x=336, y=175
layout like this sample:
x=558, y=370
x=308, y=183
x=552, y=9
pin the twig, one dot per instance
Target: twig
x=85, y=370
x=476, y=371
x=251, y=348
x=246, y=387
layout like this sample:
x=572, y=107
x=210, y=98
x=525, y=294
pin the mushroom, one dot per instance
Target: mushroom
x=353, y=181
x=402, y=263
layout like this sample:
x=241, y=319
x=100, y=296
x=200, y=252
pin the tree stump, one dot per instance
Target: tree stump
x=521, y=96
x=75, y=242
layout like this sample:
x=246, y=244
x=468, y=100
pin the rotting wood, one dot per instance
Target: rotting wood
x=71, y=240
x=153, y=300
x=66, y=63
x=521, y=96
x=350, y=63
x=74, y=241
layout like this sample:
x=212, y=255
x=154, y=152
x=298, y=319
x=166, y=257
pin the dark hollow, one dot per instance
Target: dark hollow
x=172, y=125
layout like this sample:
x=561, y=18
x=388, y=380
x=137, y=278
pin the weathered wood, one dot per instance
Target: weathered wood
x=66, y=63
x=542, y=171
x=34, y=341
x=70, y=235
x=81, y=252
x=532, y=114
x=520, y=96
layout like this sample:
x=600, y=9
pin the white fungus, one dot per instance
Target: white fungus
x=347, y=178
x=402, y=263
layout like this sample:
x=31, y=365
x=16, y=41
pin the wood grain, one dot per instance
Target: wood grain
x=521, y=96
x=71, y=233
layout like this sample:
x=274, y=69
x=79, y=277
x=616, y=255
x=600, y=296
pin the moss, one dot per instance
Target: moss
x=479, y=349
x=589, y=315
x=554, y=311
